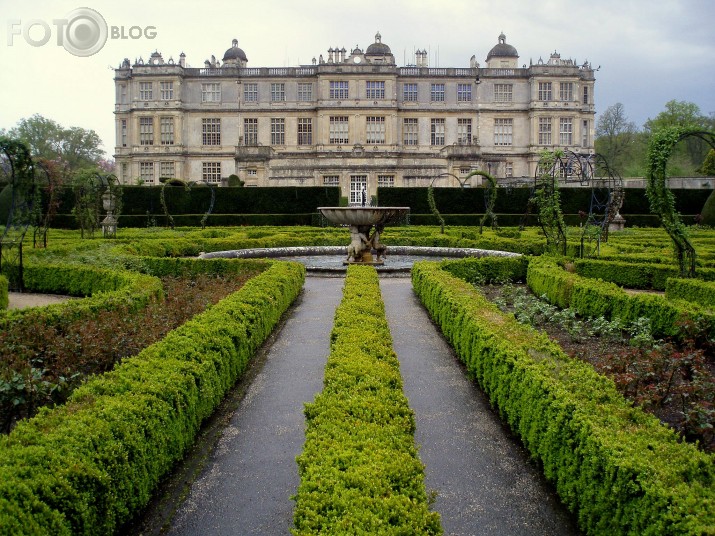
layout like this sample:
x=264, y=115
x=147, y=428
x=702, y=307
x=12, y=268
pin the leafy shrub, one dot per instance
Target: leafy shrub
x=359, y=469
x=88, y=466
x=636, y=275
x=3, y=292
x=618, y=469
x=692, y=290
x=488, y=269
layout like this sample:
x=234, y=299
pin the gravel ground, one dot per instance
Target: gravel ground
x=21, y=300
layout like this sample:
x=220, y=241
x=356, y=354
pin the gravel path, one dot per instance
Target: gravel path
x=21, y=300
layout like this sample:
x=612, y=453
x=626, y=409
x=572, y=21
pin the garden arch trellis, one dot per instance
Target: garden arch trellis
x=187, y=188
x=662, y=201
x=571, y=168
x=490, y=198
x=20, y=170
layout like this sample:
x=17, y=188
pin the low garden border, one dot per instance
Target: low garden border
x=4, y=285
x=90, y=465
x=616, y=467
x=360, y=472
x=637, y=275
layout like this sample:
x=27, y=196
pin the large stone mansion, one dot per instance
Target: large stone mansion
x=350, y=119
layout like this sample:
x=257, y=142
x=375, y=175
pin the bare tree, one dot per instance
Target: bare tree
x=616, y=135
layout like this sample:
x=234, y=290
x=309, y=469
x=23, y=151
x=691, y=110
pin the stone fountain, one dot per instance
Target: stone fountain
x=363, y=238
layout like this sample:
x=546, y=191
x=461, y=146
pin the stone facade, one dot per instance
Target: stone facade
x=353, y=119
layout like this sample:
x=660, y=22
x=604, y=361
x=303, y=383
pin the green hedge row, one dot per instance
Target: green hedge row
x=487, y=270
x=692, y=290
x=4, y=287
x=514, y=200
x=67, y=221
x=105, y=290
x=360, y=472
x=617, y=468
x=185, y=267
x=88, y=466
x=594, y=298
x=648, y=276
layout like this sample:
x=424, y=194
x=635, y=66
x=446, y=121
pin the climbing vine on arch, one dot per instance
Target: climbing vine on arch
x=490, y=198
x=547, y=200
x=662, y=200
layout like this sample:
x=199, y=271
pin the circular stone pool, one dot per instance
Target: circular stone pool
x=329, y=259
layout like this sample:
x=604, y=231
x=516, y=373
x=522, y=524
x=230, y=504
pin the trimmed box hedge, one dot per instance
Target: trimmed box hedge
x=359, y=469
x=617, y=468
x=636, y=275
x=487, y=270
x=692, y=290
x=88, y=466
x=594, y=298
x=4, y=286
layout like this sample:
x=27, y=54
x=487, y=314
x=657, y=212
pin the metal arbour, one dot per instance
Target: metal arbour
x=490, y=197
x=17, y=164
x=585, y=170
x=187, y=185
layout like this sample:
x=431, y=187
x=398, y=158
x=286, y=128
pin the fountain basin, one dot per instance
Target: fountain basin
x=363, y=215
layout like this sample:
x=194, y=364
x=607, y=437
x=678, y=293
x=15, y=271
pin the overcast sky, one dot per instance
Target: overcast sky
x=649, y=51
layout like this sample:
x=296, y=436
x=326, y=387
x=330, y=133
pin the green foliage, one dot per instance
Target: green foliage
x=708, y=212
x=488, y=270
x=88, y=466
x=594, y=298
x=708, y=167
x=359, y=469
x=661, y=199
x=617, y=137
x=433, y=208
x=692, y=290
x=618, y=469
x=3, y=292
x=635, y=275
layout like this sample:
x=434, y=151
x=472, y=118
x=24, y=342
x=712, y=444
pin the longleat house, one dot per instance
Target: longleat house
x=352, y=119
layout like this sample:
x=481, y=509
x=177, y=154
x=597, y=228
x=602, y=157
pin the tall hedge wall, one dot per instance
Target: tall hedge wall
x=514, y=200
x=139, y=200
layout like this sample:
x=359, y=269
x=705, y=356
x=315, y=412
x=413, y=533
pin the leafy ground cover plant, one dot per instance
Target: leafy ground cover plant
x=675, y=381
x=42, y=364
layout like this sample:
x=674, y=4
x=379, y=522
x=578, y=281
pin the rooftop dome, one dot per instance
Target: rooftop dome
x=503, y=50
x=234, y=53
x=378, y=48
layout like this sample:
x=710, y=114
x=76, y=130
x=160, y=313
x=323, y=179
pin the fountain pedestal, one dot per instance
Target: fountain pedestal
x=363, y=238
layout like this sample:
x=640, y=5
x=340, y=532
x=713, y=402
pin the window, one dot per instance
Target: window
x=385, y=181
x=338, y=129
x=167, y=170
x=464, y=131
x=211, y=131
x=146, y=172
x=166, y=89
x=250, y=92
x=250, y=131
x=464, y=171
x=544, y=91
x=211, y=92
x=565, y=131
x=509, y=169
x=503, y=129
x=278, y=131
x=278, y=92
x=123, y=94
x=146, y=131
x=124, y=172
x=166, y=127
x=566, y=91
x=585, y=131
x=503, y=92
x=437, y=132
x=358, y=183
x=544, y=131
x=409, y=92
x=305, y=92
x=437, y=93
x=409, y=131
x=305, y=131
x=211, y=172
x=331, y=180
x=585, y=95
x=375, y=130
x=375, y=90
x=464, y=92
x=339, y=90
x=124, y=132
x=252, y=172
x=145, y=91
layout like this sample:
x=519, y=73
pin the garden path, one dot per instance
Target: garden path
x=483, y=479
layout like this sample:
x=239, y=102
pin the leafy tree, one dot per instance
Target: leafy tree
x=686, y=115
x=49, y=140
x=616, y=136
x=708, y=167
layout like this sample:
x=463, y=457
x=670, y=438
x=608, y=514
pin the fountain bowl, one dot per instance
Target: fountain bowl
x=360, y=216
